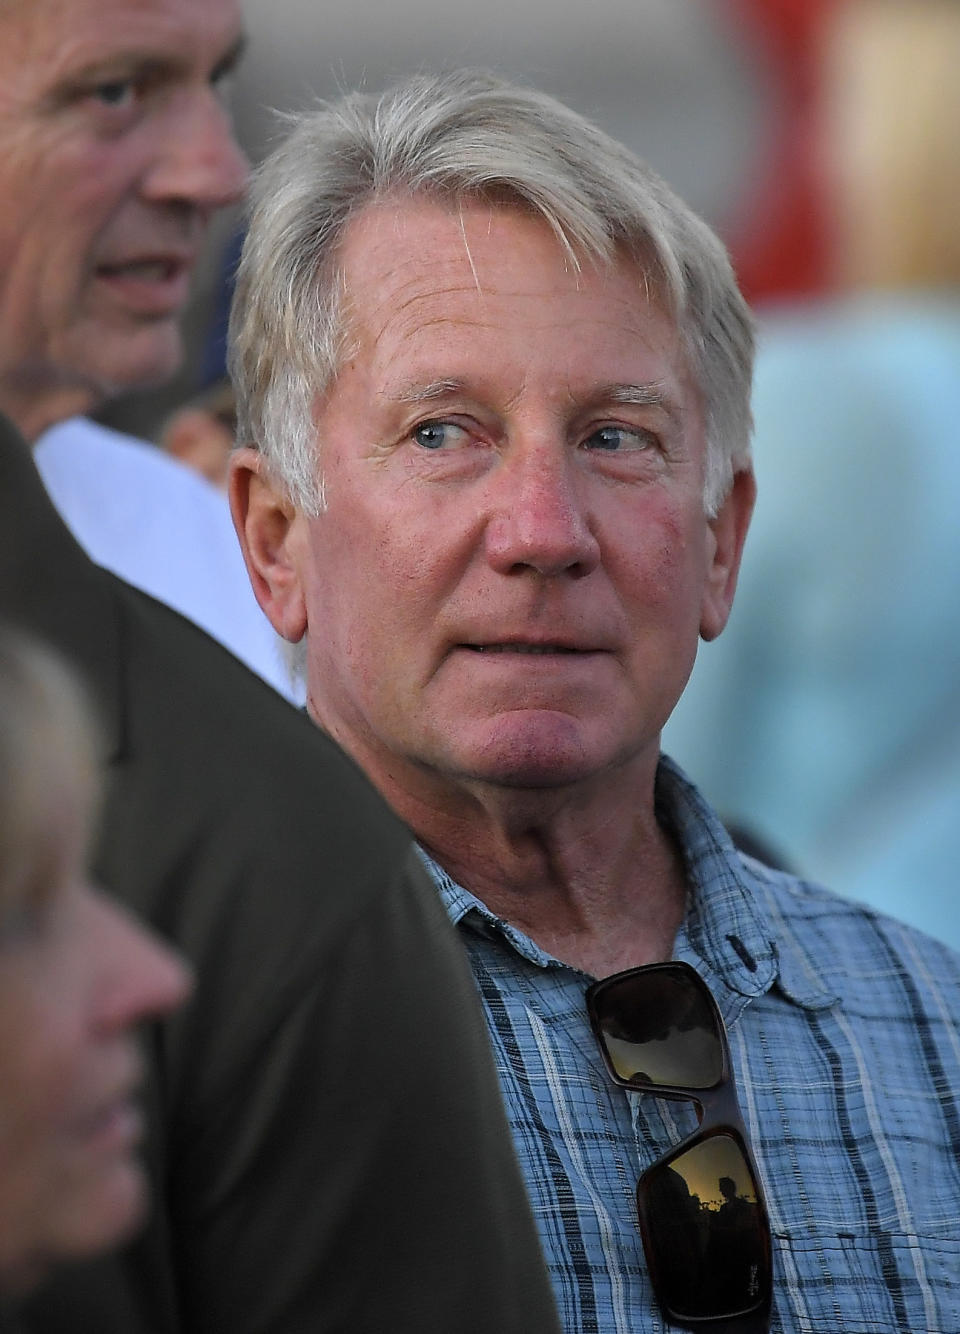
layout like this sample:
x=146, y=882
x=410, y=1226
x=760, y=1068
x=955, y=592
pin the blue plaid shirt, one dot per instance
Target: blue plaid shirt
x=845, y=1039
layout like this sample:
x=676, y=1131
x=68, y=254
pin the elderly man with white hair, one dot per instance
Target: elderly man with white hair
x=494, y=385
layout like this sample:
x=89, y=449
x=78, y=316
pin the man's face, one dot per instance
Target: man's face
x=115, y=149
x=509, y=578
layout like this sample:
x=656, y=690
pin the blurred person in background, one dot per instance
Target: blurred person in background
x=201, y=432
x=327, y=1147
x=493, y=383
x=112, y=168
x=201, y=429
x=827, y=718
x=77, y=974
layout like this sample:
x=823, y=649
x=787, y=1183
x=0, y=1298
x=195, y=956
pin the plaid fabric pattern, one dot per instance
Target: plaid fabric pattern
x=845, y=1038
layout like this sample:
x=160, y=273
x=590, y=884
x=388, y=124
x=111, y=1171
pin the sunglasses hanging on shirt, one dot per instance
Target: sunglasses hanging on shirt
x=702, y=1214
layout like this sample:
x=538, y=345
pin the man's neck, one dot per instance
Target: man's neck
x=589, y=875
x=34, y=412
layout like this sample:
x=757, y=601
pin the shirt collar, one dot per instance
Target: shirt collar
x=731, y=934
x=464, y=908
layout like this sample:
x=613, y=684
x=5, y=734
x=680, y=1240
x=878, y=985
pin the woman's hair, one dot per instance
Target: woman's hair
x=48, y=742
x=455, y=138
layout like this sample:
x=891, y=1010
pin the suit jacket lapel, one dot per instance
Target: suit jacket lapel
x=48, y=584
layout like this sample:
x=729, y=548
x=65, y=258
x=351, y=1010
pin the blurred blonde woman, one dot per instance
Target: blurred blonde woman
x=76, y=976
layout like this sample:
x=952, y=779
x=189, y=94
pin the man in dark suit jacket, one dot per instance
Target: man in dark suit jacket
x=328, y=1146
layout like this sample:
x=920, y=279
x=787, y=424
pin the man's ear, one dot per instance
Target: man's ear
x=728, y=533
x=268, y=526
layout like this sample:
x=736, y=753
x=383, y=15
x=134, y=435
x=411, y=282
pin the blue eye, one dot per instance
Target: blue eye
x=618, y=439
x=437, y=435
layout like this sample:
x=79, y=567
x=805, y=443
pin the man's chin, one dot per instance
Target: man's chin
x=116, y=361
x=536, y=750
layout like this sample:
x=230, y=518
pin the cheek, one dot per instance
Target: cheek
x=667, y=560
x=72, y=198
x=41, y=1077
x=87, y=214
x=46, y=1055
x=377, y=564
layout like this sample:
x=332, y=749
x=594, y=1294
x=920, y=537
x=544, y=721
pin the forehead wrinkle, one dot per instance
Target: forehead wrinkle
x=41, y=64
x=392, y=306
x=402, y=316
x=405, y=325
x=166, y=41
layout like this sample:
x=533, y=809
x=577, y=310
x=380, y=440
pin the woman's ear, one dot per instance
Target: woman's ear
x=268, y=526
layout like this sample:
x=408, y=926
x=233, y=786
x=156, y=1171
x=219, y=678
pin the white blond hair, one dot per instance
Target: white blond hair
x=456, y=137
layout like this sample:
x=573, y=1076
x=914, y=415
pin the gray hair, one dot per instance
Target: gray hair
x=466, y=135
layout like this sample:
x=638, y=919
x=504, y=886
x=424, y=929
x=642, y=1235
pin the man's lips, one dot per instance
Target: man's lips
x=537, y=650
x=150, y=284
x=563, y=648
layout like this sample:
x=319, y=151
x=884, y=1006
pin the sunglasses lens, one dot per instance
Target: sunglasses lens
x=705, y=1232
x=659, y=1028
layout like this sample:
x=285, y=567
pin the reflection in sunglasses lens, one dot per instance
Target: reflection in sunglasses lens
x=705, y=1231
x=659, y=1029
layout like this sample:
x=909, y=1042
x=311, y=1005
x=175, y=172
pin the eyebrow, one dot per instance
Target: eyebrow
x=414, y=392
x=652, y=395
x=635, y=395
x=139, y=61
x=229, y=61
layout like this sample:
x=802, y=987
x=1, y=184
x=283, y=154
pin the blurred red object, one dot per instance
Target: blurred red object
x=780, y=243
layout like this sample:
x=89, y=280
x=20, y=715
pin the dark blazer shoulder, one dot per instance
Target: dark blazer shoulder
x=236, y=826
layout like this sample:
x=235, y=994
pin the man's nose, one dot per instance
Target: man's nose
x=198, y=161
x=540, y=520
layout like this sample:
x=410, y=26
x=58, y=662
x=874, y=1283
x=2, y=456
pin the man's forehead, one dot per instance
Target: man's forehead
x=414, y=267
x=51, y=38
